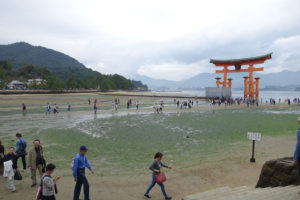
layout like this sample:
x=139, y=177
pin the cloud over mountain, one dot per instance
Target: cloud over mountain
x=166, y=39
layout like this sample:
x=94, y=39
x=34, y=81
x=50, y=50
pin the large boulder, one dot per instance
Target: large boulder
x=278, y=172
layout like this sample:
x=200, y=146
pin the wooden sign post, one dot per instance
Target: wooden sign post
x=254, y=137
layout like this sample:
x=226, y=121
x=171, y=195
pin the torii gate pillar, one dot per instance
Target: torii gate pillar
x=246, y=91
x=218, y=81
x=257, y=87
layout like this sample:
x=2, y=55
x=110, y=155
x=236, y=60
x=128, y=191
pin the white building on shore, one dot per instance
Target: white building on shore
x=37, y=81
x=16, y=85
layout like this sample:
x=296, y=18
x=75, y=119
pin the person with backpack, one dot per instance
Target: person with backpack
x=80, y=163
x=36, y=161
x=10, y=165
x=48, y=184
x=21, y=149
x=155, y=168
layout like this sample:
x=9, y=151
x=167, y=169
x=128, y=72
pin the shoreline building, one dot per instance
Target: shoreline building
x=16, y=85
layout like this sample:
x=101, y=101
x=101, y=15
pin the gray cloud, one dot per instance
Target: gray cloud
x=172, y=40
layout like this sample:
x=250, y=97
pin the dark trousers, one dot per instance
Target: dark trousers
x=23, y=160
x=81, y=179
x=48, y=197
x=298, y=170
x=162, y=187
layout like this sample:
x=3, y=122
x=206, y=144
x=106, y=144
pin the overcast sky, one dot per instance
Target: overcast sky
x=167, y=39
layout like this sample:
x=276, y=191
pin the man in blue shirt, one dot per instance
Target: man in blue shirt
x=21, y=149
x=297, y=150
x=80, y=162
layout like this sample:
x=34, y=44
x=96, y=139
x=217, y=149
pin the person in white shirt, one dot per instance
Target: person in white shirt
x=10, y=164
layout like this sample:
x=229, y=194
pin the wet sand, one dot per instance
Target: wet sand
x=232, y=168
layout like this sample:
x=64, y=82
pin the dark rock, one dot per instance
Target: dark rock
x=278, y=172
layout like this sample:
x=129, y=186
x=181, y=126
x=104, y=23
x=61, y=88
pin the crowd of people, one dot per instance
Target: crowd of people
x=181, y=104
x=37, y=163
x=250, y=101
x=158, y=108
x=47, y=187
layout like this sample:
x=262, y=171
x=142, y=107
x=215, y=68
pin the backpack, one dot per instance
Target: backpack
x=39, y=193
x=18, y=176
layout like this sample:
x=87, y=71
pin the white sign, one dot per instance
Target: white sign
x=254, y=136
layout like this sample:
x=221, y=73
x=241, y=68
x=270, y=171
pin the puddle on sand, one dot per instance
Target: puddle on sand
x=296, y=112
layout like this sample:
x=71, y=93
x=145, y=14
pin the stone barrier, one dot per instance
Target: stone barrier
x=278, y=172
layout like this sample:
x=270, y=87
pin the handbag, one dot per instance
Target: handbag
x=161, y=177
x=55, y=189
x=18, y=176
x=44, y=165
x=39, y=193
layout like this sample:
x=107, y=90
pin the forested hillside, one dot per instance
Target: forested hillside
x=22, y=61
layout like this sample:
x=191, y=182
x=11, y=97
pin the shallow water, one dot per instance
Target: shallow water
x=126, y=140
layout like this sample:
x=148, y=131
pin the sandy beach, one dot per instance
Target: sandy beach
x=230, y=167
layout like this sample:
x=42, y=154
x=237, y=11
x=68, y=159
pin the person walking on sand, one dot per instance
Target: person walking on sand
x=155, y=168
x=55, y=109
x=69, y=107
x=21, y=149
x=80, y=162
x=10, y=165
x=23, y=108
x=48, y=109
x=48, y=183
x=1, y=157
x=36, y=161
x=95, y=109
x=297, y=150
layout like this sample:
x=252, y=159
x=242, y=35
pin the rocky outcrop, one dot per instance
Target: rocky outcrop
x=279, y=172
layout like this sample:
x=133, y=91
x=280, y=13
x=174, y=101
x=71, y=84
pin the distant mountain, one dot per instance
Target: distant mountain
x=276, y=80
x=59, y=64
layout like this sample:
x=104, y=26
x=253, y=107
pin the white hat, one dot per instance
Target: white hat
x=298, y=119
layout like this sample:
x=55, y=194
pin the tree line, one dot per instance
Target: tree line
x=95, y=81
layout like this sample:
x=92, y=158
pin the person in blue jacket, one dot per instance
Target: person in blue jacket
x=80, y=162
x=297, y=150
x=21, y=149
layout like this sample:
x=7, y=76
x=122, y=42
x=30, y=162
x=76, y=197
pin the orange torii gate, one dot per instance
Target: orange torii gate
x=237, y=63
